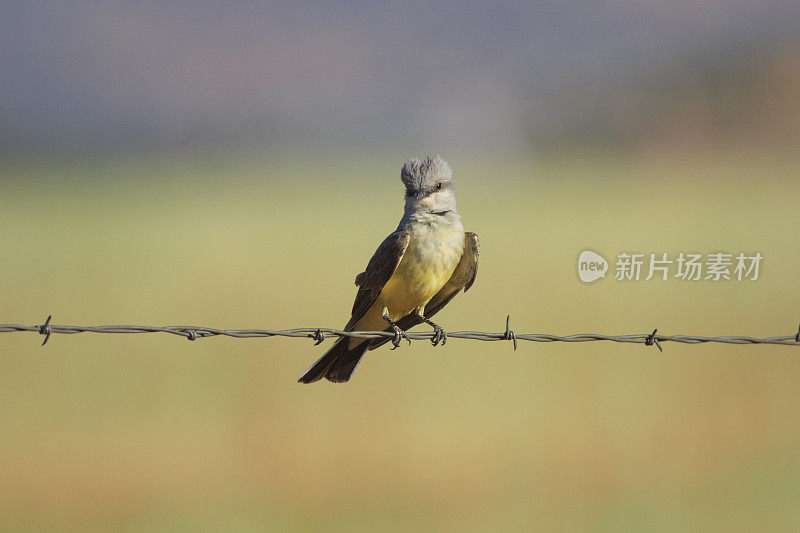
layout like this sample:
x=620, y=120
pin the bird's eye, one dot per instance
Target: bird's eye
x=409, y=192
x=439, y=186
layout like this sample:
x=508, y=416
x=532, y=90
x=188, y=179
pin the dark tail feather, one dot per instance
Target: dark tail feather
x=344, y=367
x=338, y=363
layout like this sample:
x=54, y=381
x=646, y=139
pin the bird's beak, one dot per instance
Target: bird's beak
x=419, y=194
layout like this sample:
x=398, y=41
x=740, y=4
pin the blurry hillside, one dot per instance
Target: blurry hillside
x=88, y=77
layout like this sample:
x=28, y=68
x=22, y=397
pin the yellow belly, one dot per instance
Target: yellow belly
x=427, y=265
x=411, y=288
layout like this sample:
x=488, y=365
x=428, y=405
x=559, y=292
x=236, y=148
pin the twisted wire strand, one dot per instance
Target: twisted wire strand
x=320, y=334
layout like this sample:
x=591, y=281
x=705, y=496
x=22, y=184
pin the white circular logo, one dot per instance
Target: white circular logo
x=591, y=266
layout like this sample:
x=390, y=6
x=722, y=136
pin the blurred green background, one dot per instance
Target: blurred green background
x=151, y=431
x=235, y=167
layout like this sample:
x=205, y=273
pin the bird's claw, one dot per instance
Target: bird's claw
x=439, y=335
x=399, y=335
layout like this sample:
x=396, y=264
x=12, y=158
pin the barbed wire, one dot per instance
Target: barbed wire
x=320, y=334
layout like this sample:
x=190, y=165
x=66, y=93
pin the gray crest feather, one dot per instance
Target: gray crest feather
x=434, y=168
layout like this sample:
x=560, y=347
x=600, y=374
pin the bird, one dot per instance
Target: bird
x=417, y=270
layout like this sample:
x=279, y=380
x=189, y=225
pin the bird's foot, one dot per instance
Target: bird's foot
x=399, y=335
x=439, y=335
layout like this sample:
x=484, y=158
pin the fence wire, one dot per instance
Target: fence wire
x=320, y=334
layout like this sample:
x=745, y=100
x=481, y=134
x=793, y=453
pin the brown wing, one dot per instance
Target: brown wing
x=463, y=277
x=379, y=269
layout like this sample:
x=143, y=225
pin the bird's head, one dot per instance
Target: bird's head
x=429, y=186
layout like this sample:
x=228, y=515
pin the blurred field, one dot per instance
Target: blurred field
x=154, y=432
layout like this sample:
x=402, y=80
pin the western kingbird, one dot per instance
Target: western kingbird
x=414, y=273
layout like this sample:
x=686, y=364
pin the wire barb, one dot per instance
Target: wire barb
x=509, y=335
x=45, y=330
x=797, y=336
x=318, y=336
x=651, y=339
